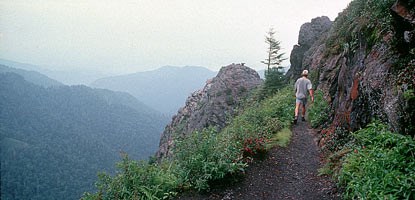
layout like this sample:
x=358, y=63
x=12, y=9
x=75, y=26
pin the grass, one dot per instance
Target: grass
x=282, y=139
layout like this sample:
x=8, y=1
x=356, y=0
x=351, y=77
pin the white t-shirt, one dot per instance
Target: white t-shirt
x=302, y=85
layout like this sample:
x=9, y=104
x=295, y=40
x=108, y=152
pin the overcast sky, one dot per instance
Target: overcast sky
x=125, y=36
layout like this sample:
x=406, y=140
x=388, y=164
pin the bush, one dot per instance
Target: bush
x=203, y=157
x=318, y=112
x=382, y=165
x=136, y=180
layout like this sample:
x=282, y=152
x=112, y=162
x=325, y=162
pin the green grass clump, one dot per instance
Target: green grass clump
x=282, y=138
x=381, y=166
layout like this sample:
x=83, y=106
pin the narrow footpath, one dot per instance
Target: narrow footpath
x=285, y=173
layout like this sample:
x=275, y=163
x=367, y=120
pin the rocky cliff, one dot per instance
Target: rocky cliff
x=310, y=33
x=210, y=106
x=364, y=64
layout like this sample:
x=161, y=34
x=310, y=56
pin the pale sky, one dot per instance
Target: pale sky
x=125, y=36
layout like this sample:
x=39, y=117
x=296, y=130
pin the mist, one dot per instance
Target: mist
x=129, y=36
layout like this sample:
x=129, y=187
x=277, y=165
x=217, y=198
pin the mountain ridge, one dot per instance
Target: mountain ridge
x=31, y=76
x=164, y=89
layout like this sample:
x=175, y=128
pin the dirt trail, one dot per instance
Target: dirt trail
x=286, y=173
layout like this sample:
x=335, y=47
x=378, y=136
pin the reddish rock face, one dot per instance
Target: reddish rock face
x=211, y=105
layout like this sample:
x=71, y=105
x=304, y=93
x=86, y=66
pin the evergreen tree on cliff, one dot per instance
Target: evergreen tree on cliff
x=274, y=75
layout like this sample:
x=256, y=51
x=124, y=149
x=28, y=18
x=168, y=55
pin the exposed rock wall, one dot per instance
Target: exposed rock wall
x=309, y=34
x=360, y=80
x=210, y=106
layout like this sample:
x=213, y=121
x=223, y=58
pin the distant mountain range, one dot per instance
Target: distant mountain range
x=164, y=89
x=67, y=77
x=54, y=140
x=31, y=76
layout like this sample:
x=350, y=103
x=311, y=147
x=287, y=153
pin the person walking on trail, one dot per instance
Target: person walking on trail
x=302, y=87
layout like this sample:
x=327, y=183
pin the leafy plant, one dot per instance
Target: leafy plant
x=136, y=180
x=201, y=157
x=254, y=147
x=381, y=166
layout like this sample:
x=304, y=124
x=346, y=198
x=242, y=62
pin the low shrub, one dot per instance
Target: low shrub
x=136, y=180
x=201, y=157
x=381, y=165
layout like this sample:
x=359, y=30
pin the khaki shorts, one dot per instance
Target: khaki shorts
x=301, y=101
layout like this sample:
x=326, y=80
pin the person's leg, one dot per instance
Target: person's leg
x=297, y=106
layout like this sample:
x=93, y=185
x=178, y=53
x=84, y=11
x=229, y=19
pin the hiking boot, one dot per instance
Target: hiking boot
x=295, y=121
x=303, y=119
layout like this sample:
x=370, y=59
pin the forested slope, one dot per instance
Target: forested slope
x=55, y=140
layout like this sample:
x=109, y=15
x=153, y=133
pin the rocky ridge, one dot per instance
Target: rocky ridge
x=210, y=106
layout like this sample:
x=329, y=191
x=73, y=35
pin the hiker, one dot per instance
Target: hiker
x=302, y=85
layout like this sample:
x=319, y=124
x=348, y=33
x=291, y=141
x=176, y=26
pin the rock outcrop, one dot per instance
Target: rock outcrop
x=210, y=106
x=358, y=75
x=309, y=34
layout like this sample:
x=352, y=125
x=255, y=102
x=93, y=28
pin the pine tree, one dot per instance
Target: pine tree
x=274, y=75
x=274, y=58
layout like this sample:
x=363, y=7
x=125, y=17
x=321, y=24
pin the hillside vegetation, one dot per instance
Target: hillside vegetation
x=204, y=156
x=54, y=140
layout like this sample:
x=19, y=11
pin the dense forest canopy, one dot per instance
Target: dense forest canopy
x=55, y=140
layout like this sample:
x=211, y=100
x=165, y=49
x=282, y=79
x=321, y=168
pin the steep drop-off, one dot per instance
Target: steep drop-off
x=53, y=141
